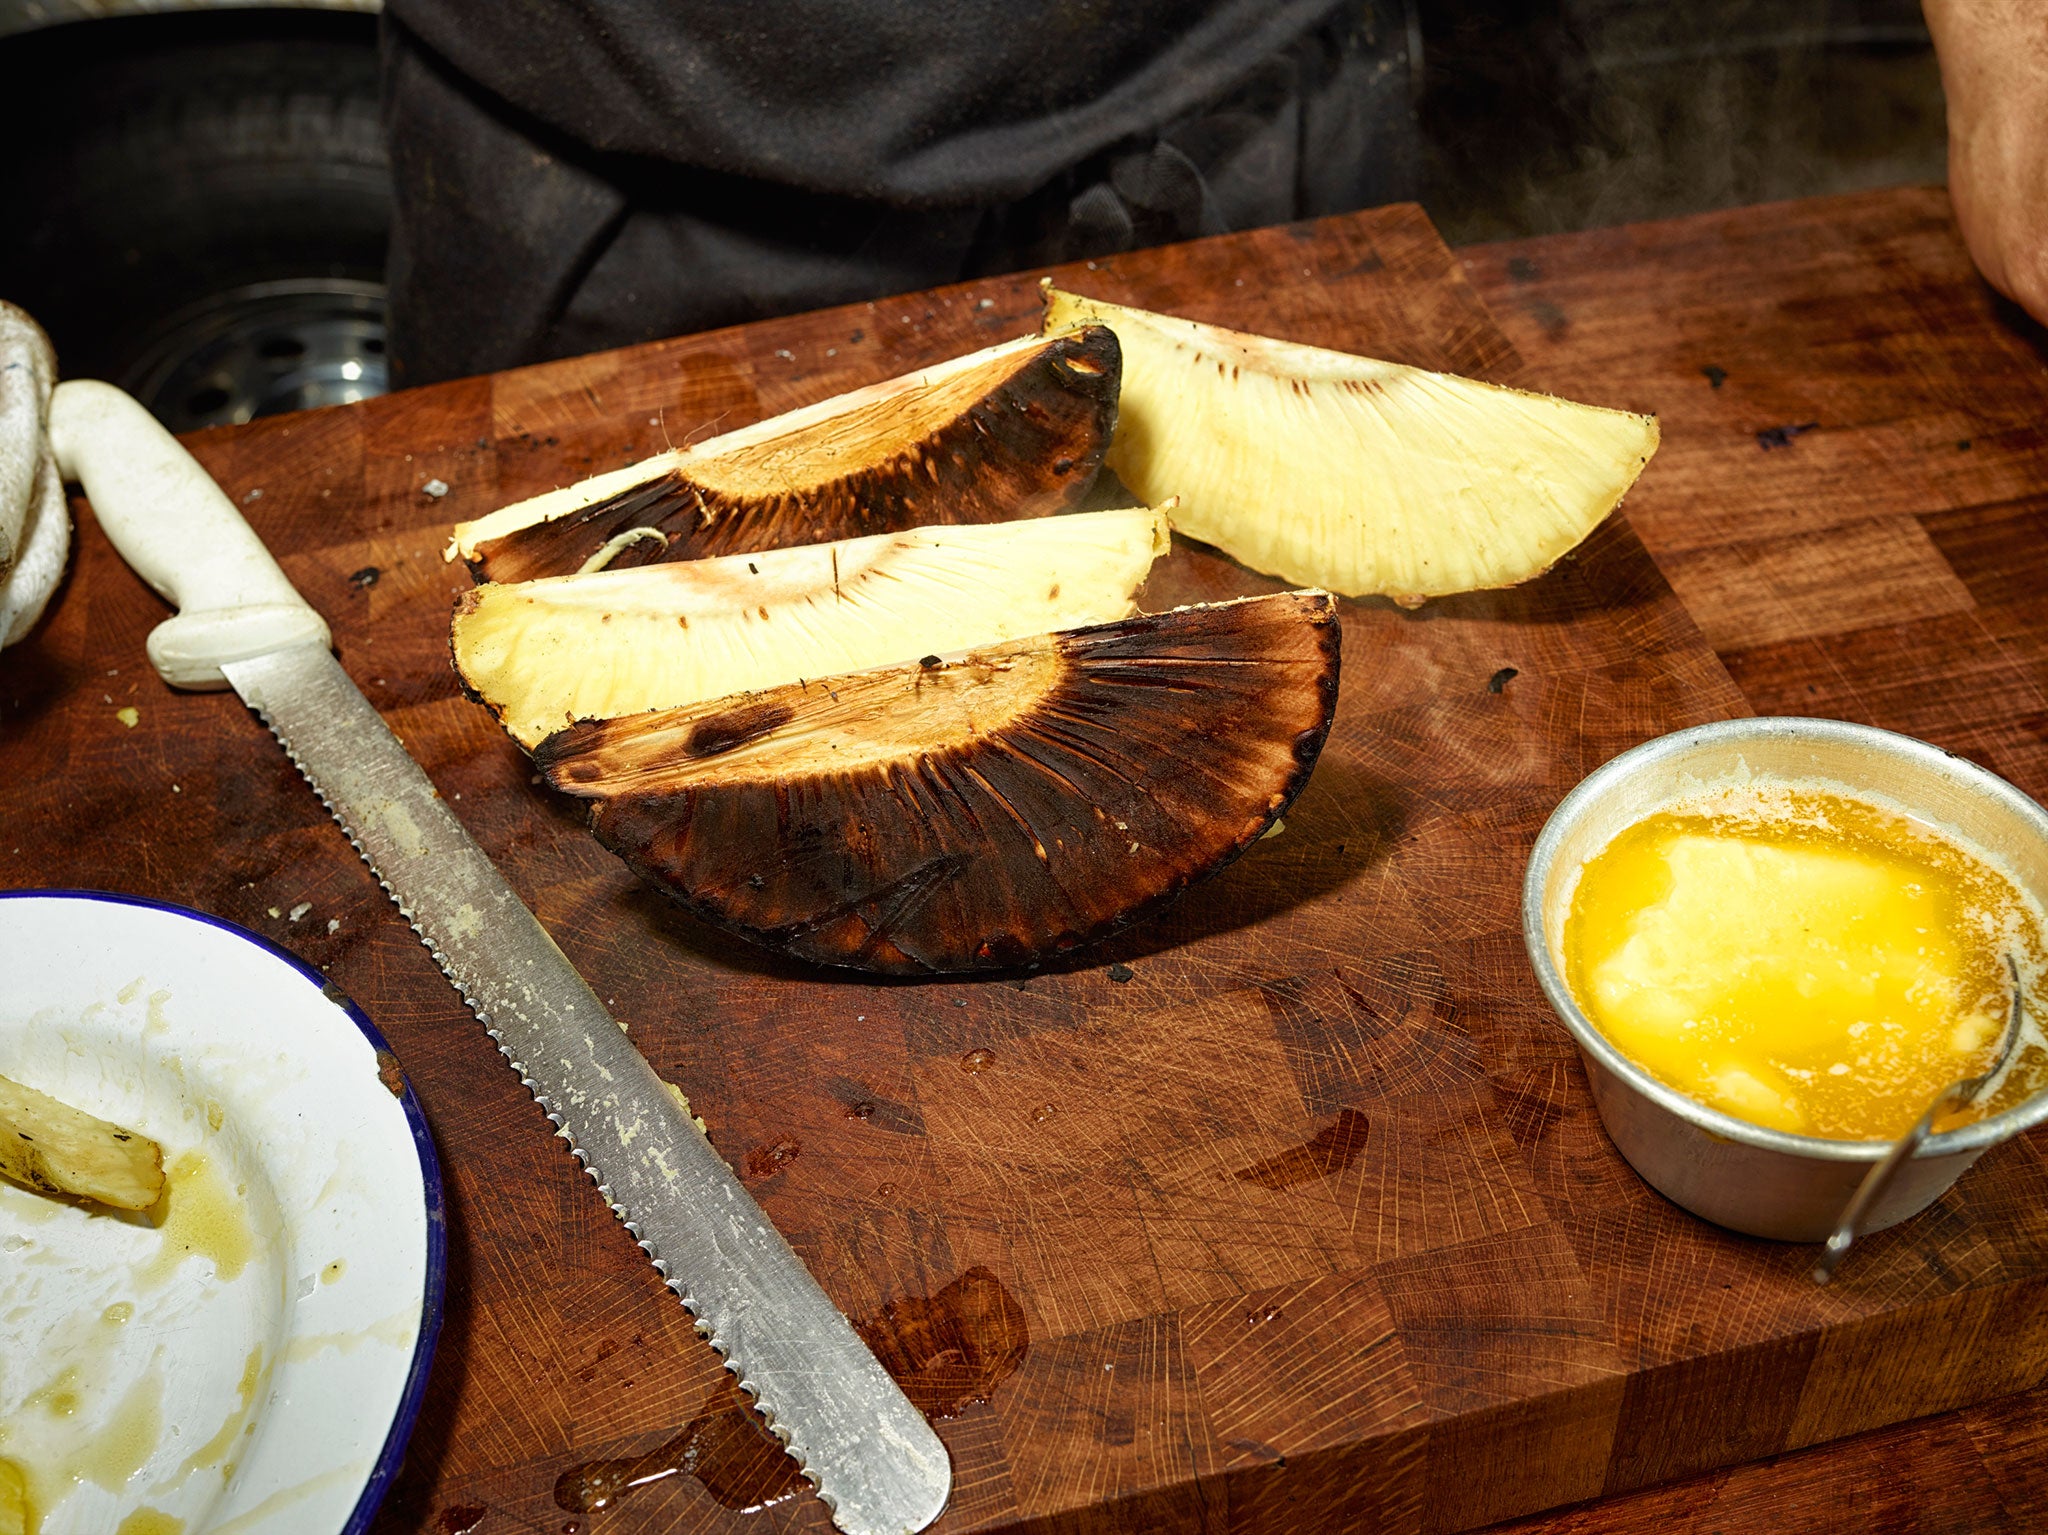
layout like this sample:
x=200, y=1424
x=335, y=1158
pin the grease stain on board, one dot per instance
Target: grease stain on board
x=769, y=1158
x=946, y=1351
x=953, y=1348
x=1328, y=1152
x=726, y=1447
x=863, y=1103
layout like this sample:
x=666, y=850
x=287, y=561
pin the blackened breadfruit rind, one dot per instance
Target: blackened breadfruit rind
x=1168, y=745
x=1030, y=447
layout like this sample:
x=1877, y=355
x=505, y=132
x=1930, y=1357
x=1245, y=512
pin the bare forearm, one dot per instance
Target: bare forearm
x=1994, y=71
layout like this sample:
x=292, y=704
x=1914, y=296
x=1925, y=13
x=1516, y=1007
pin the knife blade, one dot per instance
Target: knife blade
x=871, y=1455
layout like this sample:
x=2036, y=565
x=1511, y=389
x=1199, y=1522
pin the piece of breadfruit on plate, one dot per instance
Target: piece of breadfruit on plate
x=51, y=1146
x=544, y=654
x=1363, y=477
x=1015, y=430
x=984, y=810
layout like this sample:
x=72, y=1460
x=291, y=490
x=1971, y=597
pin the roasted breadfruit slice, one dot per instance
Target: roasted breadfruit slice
x=1016, y=430
x=51, y=1146
x=981, y=811
x=1364, y=477
x=542, y=654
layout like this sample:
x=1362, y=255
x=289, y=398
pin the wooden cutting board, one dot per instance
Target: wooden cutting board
x=1287, y=1210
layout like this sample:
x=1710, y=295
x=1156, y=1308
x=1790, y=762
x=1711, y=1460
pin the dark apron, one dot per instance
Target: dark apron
x=580, y=174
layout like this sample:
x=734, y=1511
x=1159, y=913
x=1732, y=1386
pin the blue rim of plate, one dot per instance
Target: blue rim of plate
x=392, y=1456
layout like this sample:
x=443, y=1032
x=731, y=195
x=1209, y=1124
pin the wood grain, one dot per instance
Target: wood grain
x=1468, y=1312
x=1888, y=565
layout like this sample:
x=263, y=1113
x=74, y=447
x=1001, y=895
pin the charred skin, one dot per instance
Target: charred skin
x=1110, y=768
x=1027, y=447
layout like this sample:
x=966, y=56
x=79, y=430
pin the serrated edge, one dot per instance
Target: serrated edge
x=672, y=1282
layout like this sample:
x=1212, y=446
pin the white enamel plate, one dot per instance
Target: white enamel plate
x=247, y=1359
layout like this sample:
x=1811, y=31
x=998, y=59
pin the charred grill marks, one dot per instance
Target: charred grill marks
x=1083, y=804
x=1029, y=446
x=727, y=732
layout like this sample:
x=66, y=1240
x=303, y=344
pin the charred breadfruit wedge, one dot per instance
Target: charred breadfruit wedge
x=1016, y=430
x=981, y=811
x=1360, y=476
x=543, y=654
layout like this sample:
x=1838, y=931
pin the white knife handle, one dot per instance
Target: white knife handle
x=183, y=536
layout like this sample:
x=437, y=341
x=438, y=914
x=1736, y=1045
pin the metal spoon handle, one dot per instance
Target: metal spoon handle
x=1875, y=1182
x=1874, y=1185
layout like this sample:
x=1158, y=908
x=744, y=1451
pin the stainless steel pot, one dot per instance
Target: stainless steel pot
x=1766, y=1182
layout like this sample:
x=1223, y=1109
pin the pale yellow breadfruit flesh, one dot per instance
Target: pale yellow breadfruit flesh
x=14, y=1507
x=1359, y=476
x=61, y=1150
x=545, y=653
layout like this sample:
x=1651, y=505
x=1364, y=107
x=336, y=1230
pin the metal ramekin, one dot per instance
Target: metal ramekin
x=1736, y=1174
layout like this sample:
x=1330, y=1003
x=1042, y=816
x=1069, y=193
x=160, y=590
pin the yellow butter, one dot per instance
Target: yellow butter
x=1799, y=959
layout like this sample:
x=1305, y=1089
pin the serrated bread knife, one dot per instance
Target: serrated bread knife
x=240, y=623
